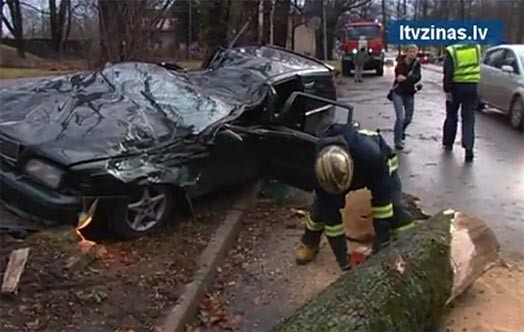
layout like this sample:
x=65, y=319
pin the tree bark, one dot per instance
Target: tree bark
x=266, y=27
x=1, y=20
x=407, y=286
x=281, y=22
x=520, y=38
x=17, y=27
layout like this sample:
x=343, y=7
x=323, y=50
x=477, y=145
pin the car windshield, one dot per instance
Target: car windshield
x=154, y=87
x=368, y=31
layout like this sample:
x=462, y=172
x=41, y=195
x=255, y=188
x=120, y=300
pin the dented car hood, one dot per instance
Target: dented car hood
x=124, y=109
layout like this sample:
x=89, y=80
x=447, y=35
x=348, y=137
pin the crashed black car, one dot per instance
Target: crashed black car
x=133, y=142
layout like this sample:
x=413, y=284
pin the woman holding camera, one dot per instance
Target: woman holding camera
x=407, y=75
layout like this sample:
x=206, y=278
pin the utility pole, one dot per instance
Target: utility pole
x=272, y=22
x=324, y=30
x=384, y=24
x=260, y=21
x=189, y=31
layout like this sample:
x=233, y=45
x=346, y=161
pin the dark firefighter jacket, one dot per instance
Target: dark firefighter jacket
x=373, y=162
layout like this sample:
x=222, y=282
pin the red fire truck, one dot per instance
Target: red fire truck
x=367, y=34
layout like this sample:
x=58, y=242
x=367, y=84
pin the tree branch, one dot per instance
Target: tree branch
x=9, y=26
x=355, y=4
x=28, y=5
x=297, y=7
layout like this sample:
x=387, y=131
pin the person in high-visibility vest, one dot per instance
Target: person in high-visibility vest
x=461, y=75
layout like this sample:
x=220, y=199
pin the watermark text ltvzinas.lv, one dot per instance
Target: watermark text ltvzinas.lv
x=446, y=32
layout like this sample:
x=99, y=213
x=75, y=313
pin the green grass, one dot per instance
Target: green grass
x=190, y=64
x=11, y=73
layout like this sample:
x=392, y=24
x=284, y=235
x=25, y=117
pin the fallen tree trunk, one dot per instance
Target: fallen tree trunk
x=407, y=286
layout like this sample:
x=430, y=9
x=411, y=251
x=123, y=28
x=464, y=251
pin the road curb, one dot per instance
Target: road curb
x=225, y=236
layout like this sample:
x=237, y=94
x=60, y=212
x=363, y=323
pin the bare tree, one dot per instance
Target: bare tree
x=520, y=33
x=126, y=26
x=60, y=23
x=334, y=9
x=281, y=19
x=16, y=25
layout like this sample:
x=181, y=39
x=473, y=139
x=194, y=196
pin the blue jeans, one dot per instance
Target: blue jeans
x=404, y=107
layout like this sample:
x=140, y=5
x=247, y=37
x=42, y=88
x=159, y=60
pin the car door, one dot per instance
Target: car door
x=489, y=72
x=287, y=151
x=509, y=81
x=323, y=85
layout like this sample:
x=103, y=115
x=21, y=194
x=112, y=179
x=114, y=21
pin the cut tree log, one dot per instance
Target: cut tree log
x=14, y=271
x=406, y=286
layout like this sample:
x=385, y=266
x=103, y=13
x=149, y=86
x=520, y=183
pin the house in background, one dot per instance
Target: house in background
x=304, y=42
x=302, y=39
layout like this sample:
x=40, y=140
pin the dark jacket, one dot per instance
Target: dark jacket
x=447, y=80
x=370, y=155
x=408, y=86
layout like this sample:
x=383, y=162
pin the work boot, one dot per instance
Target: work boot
x=447, y=148
x=305, y=254
x=339, y=247
x=382, y=235
x=469, y=156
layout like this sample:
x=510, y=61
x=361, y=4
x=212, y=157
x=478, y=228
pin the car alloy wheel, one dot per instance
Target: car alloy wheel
x=148, y=210
x=516, y=115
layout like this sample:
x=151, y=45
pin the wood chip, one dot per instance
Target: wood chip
x=14, y=270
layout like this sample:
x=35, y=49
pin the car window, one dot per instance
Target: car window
x=510, y=59
x=494, y=58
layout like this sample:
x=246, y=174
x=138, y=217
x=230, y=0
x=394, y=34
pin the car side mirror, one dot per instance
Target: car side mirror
x=507, y=69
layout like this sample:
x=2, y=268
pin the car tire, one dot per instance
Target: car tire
x=145, y=212
x=516, y=113
x=380, y=71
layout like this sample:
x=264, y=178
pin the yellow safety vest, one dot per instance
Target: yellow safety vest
x=466, y=63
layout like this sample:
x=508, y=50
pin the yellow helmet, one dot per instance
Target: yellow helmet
x=334, y=169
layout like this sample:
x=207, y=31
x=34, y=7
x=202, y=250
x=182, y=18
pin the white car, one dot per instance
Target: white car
x=501, y=82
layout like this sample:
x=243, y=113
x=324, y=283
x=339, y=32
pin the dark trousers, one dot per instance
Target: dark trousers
x=464, y=96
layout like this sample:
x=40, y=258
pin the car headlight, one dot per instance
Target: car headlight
x=44, y=172
x=354, y=51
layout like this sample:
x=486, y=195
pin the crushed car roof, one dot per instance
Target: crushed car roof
x=122, y=108
x=269, y=61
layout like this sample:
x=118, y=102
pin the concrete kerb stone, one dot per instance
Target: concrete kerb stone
x=225, y=236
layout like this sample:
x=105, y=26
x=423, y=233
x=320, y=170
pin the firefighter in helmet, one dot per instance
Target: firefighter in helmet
x=349, y=159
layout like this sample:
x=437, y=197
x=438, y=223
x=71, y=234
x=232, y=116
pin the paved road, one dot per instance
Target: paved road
x=492, y=187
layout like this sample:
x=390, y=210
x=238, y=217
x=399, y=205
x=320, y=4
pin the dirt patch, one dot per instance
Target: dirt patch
x=116, y=286
x=259, y=282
